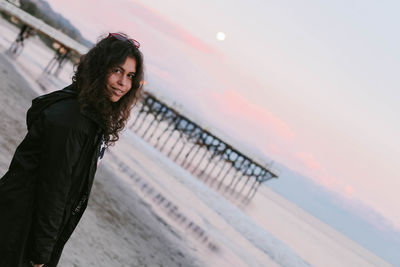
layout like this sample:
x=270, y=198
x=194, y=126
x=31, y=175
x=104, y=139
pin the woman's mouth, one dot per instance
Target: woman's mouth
x=117, y=91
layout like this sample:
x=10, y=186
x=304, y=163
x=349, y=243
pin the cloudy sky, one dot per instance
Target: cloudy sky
x=311, y=84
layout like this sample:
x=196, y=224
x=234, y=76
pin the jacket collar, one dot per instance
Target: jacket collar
x=88, y=111
x=94, y=116
x=42, y=102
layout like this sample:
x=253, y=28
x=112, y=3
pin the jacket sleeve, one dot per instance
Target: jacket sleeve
x=61, y=147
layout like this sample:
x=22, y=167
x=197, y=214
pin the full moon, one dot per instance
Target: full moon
x=221, y=36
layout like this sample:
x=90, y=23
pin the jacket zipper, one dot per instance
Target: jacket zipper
x=79, y=206
x=85, y=196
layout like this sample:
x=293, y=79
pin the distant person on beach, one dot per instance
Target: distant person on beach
x=25, y=32
x=46, y=188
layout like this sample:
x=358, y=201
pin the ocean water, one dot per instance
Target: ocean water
x=270, y=231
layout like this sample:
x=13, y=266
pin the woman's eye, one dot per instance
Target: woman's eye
x=116, y=70
x=131, y=76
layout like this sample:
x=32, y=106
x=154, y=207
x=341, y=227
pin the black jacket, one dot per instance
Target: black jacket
x=45, y=191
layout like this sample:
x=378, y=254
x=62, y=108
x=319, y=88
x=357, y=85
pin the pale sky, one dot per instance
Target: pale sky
x=311, y=84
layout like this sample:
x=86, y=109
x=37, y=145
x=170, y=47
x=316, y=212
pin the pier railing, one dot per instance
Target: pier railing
x=209, y=157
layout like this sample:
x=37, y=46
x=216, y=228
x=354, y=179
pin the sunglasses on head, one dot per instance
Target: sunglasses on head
x=124, y=38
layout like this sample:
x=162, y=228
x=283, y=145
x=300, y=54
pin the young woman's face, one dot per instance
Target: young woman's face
x=119, y=80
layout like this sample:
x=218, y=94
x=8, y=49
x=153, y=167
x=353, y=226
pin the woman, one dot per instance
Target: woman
x=45, y=191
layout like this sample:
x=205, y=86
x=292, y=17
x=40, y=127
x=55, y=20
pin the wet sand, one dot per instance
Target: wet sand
x=118, y=228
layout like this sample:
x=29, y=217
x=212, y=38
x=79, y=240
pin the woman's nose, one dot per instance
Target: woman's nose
x=122, y=80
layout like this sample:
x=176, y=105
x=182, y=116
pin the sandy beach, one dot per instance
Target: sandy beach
x=118, y=228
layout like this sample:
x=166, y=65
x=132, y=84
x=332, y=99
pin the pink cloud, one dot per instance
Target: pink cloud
x=273, y=136
x=274, y=149
x=310, y=166
x=172, y=30
x=253, y=116
x=123, y=16
x=309, y=161
x=162, y=74
x=349, y=190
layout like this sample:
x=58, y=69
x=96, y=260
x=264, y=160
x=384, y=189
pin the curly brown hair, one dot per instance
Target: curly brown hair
x=90, y=78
